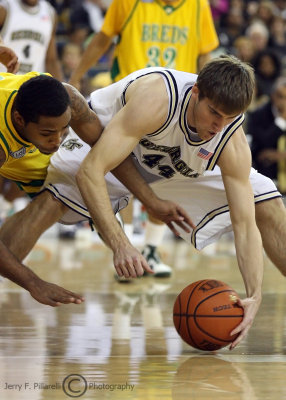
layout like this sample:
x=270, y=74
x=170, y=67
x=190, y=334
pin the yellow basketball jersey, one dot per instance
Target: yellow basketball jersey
x=152, y=33
x=24, y=163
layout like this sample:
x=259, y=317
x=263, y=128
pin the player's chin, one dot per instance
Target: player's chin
x=48, y=151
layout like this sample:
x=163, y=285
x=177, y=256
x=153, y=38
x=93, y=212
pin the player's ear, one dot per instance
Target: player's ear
x=195, y=91
x=19, y=119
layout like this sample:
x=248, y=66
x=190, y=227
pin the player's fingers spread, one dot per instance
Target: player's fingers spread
x=132, y=268
x=53, y=303
x=118, y=270
x=125, y=271
x=173, y=229
x=74, y=295
x=184, y=226
x=139, y=271
x=238, y=329
x=187, y=218
x=147, y=267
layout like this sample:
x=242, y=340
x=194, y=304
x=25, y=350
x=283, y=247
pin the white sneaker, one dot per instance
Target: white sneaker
x=160, y=269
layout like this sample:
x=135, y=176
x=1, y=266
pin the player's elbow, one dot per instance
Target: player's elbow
x=82, y=175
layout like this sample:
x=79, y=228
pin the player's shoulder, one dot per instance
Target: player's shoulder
x=236, y=155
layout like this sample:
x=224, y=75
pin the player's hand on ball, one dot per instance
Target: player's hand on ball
x=171, y=213
x=251, y=306
x=129, y=262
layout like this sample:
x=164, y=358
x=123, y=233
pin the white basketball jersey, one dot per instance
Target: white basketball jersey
x=173, y=150
x=28, y=31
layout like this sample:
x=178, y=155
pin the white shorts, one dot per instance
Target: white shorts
x=203, y=198
x=61, y=182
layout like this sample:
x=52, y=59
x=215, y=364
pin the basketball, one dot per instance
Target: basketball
x=205, y=313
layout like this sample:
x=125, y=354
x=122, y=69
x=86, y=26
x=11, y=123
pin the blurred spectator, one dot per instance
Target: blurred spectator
x=277, y=39
x=63, y=9
x=267, y=67
x=265, y=12
x=70, y=58
x=258, y=34
x=219, y=9
x=280, y=8
x=28, y=27
x=244, y=49
x=234, y=26
x=267, y=127
x=85, y=19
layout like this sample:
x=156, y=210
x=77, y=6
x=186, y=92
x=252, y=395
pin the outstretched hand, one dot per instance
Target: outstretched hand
x=53, y=295
x=9, y=59
x=129, y=262
x=250, y=306
x=171, y=213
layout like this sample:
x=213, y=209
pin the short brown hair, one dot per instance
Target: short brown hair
x=228, y=82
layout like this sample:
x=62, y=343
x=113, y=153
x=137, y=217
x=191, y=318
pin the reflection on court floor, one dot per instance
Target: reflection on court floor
x=121, y=343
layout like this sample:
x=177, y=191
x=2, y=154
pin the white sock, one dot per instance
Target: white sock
x=154, y=234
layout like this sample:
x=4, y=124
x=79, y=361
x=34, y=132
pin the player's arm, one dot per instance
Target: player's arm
x=145, y=112
x=97, y=47
x=235, y=163
x=164, y=210
x=83, y=120
x=42, y=291
x=52, y=63
x=115, y=18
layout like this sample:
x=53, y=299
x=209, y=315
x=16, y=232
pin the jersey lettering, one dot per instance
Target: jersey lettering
x=37, y=36
x=168, y=56
x=164, y=34
x=153, y=160
x=27, y=51
x=71, y=144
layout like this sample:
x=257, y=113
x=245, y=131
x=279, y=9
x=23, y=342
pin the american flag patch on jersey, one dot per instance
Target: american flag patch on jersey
x=206, y=155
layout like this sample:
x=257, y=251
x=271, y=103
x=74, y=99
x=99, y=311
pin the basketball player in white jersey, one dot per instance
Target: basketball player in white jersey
x=28, y=27
x=178, y=125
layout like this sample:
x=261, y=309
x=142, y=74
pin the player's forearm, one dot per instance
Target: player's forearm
x=53, y=66
x=250, y=258
x=127, y=173
x=12, y=269
x=94, y=51
x=94, y=192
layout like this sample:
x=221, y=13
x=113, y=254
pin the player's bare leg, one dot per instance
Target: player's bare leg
x=271, y=222
x=20, y=233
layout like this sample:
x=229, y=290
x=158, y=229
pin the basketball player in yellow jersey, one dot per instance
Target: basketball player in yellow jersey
x=175, y=34
x=35, y=113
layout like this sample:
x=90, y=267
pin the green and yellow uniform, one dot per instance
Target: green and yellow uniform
x=24, y=164
x=152, y=33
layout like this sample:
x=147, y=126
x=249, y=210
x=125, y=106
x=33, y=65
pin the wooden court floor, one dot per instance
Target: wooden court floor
x=121, y=343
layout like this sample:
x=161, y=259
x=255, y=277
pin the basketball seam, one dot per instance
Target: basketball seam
x=197, y=324
x=190, y=296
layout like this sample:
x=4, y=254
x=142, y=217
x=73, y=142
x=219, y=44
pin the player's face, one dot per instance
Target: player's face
x=48, y=133
x=279, y=100
x=207, y=118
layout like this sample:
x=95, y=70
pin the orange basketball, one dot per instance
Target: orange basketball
x=205, y=313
